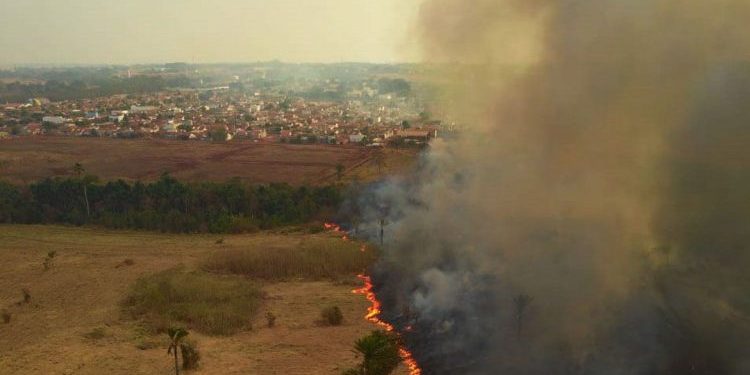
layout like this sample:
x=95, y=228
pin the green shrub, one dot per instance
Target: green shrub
x=144, y=338
x=6, y=316
x=315, y=259
x=208, y=303
x=332, y=316
x=191, y=357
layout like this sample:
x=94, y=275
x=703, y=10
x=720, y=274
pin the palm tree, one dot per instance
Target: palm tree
x=79, y=171
x=176, y=335
x=380, y=353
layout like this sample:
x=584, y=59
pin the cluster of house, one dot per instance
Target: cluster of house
x=221, y=114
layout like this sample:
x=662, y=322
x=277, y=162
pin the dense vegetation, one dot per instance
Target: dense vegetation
x=167, y=204
x=88, y=87
x=210, y=304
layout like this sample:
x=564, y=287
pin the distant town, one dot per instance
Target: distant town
x=368, y=105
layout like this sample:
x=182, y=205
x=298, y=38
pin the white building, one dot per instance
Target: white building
x=136, y=109
x=356, y=138
x=57, y=120
x=117, y=116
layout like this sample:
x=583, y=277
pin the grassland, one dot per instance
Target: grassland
x=314, y=259
x=197, y=300
x=29, y=159
x=75, y=323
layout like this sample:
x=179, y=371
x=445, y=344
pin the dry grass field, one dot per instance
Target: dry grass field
x=75, y=323
x=391, y=162
x=28, y=159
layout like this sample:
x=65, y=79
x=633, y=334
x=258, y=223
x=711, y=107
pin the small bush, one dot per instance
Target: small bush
x=48, y=260
x=191, y=357
x=315, y=259
x=125, y=263
x=332, y=316
x=26, y=295
x=6, y=316
x=144, y=338
x=270, y=319
x=96, y=334
x=208, y=303
x=144, y=343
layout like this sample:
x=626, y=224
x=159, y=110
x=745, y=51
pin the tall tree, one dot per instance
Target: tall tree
x=339, y=171
x=79, y=171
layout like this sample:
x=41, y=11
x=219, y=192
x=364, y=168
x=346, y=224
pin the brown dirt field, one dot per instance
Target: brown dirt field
x=28, y=159
x=84, y=288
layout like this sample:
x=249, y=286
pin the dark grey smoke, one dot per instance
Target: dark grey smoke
x=606, y=175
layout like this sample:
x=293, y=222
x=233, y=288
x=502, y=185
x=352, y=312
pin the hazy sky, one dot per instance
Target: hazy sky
x=139, y=31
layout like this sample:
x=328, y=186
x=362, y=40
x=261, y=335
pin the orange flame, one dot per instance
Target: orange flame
x=333, y=227
x=373, y=312
x=373, y=316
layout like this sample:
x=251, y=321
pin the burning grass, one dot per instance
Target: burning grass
x=315, y=259
x=211, y=304
x=373, y=316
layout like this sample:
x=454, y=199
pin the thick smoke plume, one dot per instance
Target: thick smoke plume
x=594, y=217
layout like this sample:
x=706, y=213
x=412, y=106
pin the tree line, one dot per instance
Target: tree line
x=166, y=205
x=56, y=90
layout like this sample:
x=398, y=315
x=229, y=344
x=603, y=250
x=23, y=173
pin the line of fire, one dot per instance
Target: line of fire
x=374, y=311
